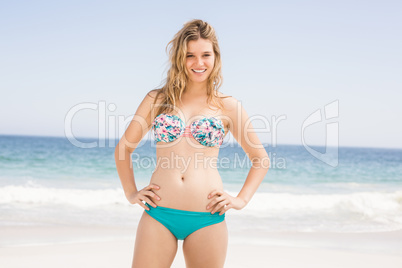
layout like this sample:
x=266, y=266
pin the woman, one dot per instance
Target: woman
x=185, y=199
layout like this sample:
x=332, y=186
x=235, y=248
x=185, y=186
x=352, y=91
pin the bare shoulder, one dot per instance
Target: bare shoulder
x=153, y=97
x=155, y=93
x=230, y=103
x=149, y=102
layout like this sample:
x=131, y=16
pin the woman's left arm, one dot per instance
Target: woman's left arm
x=243, y=131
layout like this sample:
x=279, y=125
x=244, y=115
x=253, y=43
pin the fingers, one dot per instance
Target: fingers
x=142, y=205
x=221, y=203
x=152, y=186
x=146, y=194
x=215, y=200
x=146, y=199
x=149, y=190
x=225, y=208
x=215, y=192
x=219, y=206
x=152, y=194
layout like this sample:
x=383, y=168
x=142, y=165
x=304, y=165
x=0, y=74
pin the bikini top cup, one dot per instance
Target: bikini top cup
x=207, y=131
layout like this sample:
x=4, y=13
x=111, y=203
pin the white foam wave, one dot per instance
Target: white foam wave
x=349, y=212
x=29, y=194
x=364, y=203
x=358, y=211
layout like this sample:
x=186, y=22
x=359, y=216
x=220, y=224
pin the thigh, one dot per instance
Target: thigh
x=155, y=245
x=207, y=246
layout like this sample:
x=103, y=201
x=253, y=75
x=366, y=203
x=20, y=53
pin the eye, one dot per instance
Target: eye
x=207, y=55
x=188, y=56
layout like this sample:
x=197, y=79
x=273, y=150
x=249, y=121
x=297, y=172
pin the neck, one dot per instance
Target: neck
x=196, y=89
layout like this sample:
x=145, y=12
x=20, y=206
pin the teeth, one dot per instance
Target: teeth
x=199, y=71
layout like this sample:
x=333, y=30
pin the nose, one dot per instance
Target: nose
x=200, y=62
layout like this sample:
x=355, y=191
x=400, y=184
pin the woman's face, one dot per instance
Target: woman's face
x=200, y=60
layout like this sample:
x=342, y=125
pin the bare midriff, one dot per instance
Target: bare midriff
x=186, y=172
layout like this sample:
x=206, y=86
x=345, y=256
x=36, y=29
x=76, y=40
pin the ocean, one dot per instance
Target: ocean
x=47, y=181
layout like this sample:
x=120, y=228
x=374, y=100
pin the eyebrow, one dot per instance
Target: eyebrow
x=203, y=52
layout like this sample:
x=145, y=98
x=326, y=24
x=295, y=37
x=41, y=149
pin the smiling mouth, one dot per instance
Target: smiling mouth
x=199, y=71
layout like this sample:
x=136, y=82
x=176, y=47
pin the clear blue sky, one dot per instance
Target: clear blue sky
x=279, y=58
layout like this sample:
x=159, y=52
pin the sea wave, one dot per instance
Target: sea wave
x=85, y=198
x=281, y=211
x=362, y=203
x=345, y=212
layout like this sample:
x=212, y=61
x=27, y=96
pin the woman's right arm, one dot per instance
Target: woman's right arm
x=139, y=126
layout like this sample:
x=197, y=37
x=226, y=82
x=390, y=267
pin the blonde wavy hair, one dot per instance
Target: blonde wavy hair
x=177, y=75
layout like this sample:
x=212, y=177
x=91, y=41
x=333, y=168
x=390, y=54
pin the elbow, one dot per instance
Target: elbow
x=266, y=162
x=121, y=151
x=116, y=152
x=261, y=161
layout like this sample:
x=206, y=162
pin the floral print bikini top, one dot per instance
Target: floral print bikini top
x=207, y=131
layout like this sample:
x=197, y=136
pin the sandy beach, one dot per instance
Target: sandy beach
x=86, y=246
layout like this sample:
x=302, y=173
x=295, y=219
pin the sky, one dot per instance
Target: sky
x=82, y=67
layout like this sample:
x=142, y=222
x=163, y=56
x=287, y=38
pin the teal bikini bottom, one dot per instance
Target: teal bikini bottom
x=182, y=223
